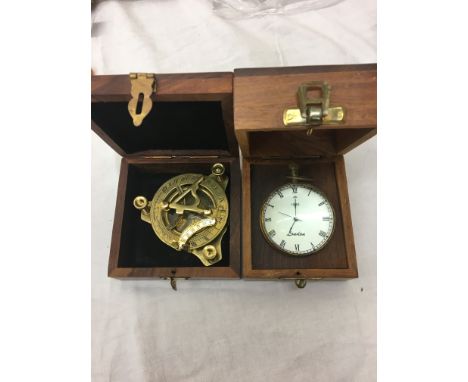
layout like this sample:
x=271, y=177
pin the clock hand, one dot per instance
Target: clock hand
x=294, y=222
x=289, y=216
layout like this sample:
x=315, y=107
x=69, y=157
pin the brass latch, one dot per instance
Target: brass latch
x=301, y=283
x=173, y=283
x=143, y=85
x=313, y=111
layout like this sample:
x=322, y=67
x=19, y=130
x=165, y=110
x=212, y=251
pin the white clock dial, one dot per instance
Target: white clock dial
x=297, y=219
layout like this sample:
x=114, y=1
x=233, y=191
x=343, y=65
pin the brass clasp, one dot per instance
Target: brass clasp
x=173, y=283
x=142, y=86
x=313, y=111
x=300, y=283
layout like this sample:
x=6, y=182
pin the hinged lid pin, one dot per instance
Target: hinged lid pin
x=142, y=86
x=313, y=111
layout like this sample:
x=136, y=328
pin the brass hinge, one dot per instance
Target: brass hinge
x=313, y=111
x=142, y=87
x=159, y=156
x=181, y=156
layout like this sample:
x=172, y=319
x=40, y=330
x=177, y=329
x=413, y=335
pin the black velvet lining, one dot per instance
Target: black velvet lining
x=139, y=245
x=169, y=126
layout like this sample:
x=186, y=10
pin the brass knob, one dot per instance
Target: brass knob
x=217, y=169
x=140, y=202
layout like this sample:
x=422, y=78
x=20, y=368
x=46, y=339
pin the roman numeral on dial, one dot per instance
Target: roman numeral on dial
x=294, y=188
x=272, y=233
x=268, y=219
x=280, y=194
x=326, y=218
x=282, y=244
x=322, y=203
x=296, y=246
x=323, y=234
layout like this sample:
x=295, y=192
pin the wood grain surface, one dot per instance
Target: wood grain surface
x=261, y=95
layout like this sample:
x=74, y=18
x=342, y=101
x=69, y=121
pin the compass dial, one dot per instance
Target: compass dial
x=191, y=205
x=297, y=219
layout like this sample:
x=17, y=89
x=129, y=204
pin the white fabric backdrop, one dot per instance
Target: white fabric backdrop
x=231, y=330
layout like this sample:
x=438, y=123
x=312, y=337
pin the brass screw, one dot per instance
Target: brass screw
x=209, y=252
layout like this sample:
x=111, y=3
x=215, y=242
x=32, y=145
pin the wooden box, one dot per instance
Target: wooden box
x=189, y=128
x=268, y=145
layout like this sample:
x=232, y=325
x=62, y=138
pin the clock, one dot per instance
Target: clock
x=297, y=218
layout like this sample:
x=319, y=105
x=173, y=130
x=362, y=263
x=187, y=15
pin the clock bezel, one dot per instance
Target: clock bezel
x=276, y=246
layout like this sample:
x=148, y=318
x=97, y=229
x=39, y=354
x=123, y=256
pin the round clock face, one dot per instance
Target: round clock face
x=297, y=219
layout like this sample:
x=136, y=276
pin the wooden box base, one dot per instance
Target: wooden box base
x=260, y=260
x=136, y=252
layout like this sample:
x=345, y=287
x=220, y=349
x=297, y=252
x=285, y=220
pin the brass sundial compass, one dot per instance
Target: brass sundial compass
x=189, y=213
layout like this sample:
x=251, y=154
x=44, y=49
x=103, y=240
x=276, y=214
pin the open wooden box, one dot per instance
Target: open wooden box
x=268, y=146
x=189, y=128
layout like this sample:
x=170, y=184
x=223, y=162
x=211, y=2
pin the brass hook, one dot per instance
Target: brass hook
x=173, y=282
x=300, y=283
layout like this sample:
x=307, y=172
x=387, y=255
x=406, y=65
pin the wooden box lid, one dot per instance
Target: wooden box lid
x=191, y=116
x=261, y=96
